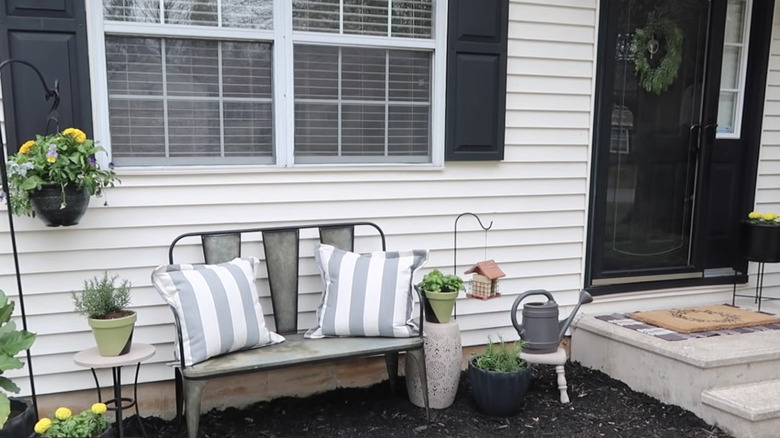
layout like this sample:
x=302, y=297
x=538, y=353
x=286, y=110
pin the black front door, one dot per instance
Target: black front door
x=652, y=118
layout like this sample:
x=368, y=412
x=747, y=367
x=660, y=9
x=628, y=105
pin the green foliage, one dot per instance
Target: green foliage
x=436, y=281
x=64, y=159
x=501, y=357
x=86, y=424
x=12, y=342
x=102, y=296
x=657, y=78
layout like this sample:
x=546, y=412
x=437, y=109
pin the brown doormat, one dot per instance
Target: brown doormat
x=699, y=319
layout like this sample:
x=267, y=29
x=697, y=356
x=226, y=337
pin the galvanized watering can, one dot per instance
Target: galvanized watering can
x=541, y=329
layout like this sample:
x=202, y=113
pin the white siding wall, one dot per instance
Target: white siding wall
x=536, y=198
x=768, y=183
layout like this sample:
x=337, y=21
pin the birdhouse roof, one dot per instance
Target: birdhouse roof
x=487, y=268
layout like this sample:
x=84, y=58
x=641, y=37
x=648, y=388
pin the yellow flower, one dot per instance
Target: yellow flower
x=26, y=147
x=42, y=425
x=769, y=216
x=99, y=408
x=77, y=134
x=62, y=413
x=755, y=215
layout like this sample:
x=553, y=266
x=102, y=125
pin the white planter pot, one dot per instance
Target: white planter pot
x=443, y=356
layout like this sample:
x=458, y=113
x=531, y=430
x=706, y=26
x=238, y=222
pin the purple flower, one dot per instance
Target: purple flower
x=110, y=164
x=51, y=156
x=91, y=161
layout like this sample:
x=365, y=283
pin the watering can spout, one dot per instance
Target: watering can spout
x=585, y=298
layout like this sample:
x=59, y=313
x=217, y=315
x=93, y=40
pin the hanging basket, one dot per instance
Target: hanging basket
x=56, y=207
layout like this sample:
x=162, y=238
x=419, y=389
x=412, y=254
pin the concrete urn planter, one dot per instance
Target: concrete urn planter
x=443, y=356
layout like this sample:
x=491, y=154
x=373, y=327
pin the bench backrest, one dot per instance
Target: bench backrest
x=281, y=247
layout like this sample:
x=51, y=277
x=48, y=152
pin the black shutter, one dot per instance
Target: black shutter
x=52, y=35
x=476, y=79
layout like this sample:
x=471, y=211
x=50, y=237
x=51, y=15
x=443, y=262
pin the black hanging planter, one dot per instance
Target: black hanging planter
x=49, y=206
x=759, y=242
x=22, y=420
x=498, y=393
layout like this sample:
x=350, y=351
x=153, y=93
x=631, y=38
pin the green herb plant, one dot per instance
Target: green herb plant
x=501, y=357
x=12, y=341
x=436, y=281
x=102, y=298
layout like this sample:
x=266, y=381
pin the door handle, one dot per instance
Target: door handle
x=694, y=143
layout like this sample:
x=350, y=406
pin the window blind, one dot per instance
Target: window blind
x=189, y=98
x=361, y=102
x=413, y=19
x=254, y=14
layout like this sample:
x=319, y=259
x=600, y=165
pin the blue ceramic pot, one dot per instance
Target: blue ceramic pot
x=498, y=393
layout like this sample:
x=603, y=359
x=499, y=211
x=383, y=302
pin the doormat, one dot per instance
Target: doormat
x=625, y=320
x=704, y=318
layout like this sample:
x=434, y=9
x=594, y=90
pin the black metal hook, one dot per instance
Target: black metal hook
x=455, y=244
x=51, y=93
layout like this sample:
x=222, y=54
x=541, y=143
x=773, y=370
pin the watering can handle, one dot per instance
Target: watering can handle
x=524, y=295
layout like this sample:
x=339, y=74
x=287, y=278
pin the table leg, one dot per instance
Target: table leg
x=117, y=372
x=135, y=400
x=97, y=385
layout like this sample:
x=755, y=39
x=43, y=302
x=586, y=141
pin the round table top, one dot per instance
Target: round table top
x=91, y=358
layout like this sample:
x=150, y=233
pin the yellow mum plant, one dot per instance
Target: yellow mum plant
x=67, y=158
x=756, y=217
x=89, y=423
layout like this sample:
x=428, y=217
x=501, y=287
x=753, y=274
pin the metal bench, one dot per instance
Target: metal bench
x=281, y=255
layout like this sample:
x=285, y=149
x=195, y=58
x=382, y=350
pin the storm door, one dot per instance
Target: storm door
x=654, y=117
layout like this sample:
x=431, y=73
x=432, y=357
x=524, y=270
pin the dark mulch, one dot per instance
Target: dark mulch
x=600, y=407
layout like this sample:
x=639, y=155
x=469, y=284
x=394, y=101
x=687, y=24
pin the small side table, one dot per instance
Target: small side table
x=558, y=359
x=93, y=360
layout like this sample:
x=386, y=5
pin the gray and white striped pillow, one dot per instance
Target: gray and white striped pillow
x=217, y=305
x=366, y=294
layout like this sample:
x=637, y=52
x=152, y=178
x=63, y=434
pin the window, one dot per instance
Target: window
x=732, y=79
x=271, y=81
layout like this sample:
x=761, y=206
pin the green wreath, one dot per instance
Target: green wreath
x=656, y=79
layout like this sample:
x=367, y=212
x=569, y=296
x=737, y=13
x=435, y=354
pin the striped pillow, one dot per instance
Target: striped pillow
x=366, y=295
x=217, y=305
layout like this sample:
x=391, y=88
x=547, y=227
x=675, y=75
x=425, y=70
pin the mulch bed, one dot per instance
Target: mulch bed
x=600, y=407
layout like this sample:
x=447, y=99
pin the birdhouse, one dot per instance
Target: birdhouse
x=484, y=283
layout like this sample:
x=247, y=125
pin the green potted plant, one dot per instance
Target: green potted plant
x=439, y=292
x=90, y=423
x=759, y=237
x=16, y=415
x=53, y=176
x=103, y=301
x=499, y=378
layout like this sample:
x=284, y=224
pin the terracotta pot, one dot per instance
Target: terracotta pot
x=53, y=210
x=759, y=242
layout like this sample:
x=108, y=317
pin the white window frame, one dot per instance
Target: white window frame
x=283, y=39
x=742, y=72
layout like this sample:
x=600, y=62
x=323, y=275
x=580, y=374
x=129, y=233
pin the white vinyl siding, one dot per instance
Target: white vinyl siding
x=535, y=198
x=768, y=181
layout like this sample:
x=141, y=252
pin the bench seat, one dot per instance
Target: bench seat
x=296, y=350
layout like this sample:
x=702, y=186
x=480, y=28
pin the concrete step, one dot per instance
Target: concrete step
x=676, y=372
x=750, y=410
